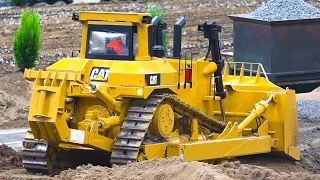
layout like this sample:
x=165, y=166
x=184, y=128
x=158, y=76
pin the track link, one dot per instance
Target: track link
x=185, y=109
x=133, y=130
x=34, y=156
x=139, y=116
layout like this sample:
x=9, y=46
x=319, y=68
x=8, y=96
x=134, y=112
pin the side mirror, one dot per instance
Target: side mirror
x=75, y=16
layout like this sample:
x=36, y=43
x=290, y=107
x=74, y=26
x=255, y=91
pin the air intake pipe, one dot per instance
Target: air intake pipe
x=177, y=37
x=156, y=37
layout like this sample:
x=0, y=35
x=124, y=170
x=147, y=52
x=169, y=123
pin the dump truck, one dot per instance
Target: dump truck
x=37, y=2
x=121, y=99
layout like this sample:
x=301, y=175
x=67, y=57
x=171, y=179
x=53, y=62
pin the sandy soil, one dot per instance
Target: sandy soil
x=177, y=169
x=14, y=98
x=171, y=168
x=61, y=35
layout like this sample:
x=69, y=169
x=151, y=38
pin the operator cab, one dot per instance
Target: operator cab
x=124, y=36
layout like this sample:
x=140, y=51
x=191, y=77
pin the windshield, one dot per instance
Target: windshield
x=109, y=42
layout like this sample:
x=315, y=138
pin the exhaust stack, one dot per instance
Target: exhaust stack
x=177, y=37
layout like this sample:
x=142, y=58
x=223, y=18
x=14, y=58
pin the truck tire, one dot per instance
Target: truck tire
x=59, y=3
x=41, y=4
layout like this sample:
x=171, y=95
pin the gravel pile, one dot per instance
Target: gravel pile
x=281, y=10
x=308, y=109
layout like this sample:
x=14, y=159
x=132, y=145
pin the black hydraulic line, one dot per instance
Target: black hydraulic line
x=208, y=52
x=191, y=70
x=185, y=70
x=179, y=73
x=211, y=32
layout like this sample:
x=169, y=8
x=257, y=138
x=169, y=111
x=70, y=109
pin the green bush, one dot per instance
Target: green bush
x=155, y=10
x=18, y=2
x=26, y=44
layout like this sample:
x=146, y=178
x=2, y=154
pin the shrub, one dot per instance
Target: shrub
x=155, y=10
x=26, y=42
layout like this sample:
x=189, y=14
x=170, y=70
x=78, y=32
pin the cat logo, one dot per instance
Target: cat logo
x=153, y=80
x=99, y=74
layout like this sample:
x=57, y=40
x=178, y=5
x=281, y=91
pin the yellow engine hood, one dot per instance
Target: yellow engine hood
x=120, y=73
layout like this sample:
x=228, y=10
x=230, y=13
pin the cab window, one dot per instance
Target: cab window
x=110, y=42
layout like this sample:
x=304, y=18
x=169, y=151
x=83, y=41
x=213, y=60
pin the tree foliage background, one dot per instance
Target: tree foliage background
x=26, y=44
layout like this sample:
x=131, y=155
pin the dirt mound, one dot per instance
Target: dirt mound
x=278, y=164
x=169, y=168
x=309, y=147
x=245, y=172
x=13, y=111
x=15, y=93
x=174, y=168
x=9, y=159
x=15, y=84
x=6, y=69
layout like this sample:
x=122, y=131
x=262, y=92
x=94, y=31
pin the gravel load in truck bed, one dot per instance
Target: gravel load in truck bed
x=308, y=109
x=281, y=10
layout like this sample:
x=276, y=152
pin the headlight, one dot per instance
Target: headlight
x=140, y=92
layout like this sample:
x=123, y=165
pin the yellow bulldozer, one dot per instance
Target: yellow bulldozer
x=122, y=99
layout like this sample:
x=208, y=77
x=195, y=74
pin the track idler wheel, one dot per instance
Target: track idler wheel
x=163, y=121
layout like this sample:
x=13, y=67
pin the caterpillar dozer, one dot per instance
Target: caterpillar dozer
x=123, y=99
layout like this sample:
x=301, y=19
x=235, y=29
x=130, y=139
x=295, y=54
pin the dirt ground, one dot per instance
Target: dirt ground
x=171, y=168
x=9, y=159
x=61, y=35
x=15, y=94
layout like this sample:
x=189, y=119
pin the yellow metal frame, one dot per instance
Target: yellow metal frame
x=112, y=16
x=261, y=117
x=118, y=19
x=216, y=149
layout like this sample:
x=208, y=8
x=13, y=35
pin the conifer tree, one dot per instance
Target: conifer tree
x=26, y=44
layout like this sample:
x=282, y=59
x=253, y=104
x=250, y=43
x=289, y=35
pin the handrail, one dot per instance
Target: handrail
x=260, y=69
